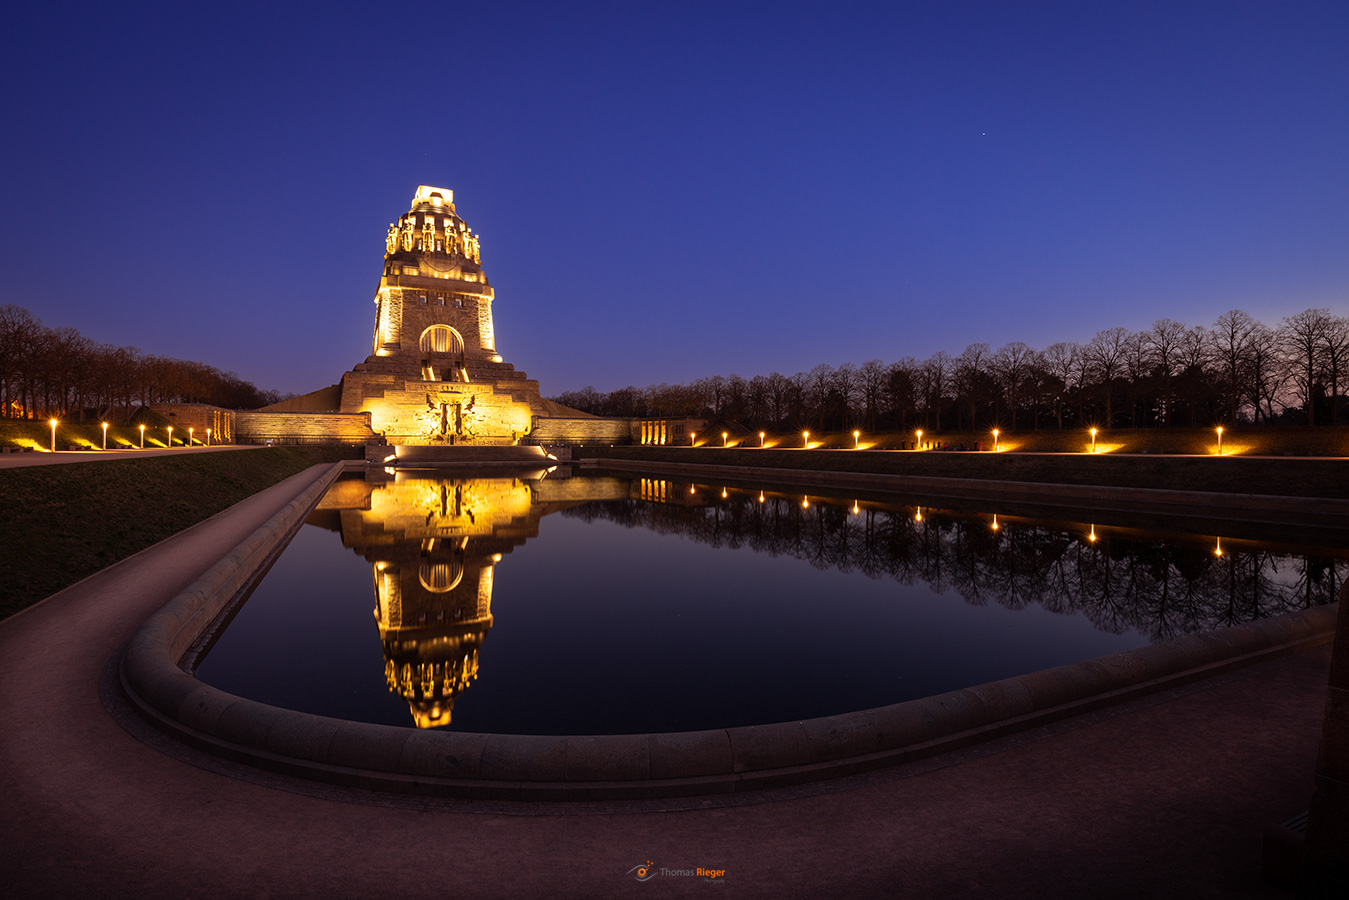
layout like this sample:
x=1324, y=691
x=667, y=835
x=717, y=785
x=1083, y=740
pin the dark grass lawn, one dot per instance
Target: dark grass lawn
x=62, y=523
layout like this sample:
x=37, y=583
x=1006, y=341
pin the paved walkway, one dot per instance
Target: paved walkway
x=1166, y=797
x=41, y=458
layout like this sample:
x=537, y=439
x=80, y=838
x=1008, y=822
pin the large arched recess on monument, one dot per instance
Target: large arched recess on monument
x=442, y=352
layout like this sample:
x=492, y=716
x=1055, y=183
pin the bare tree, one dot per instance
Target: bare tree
x=1165, y=339
x=871, y=375
x=1268, y=372
x=936, y=376
x=901, y=390
x=1061, y=361
x=970, y=373
x=1230, y=344
x=847, y=385
x=1303, y=338
x=1335, y=353
x=1106, y=353
x=1137, y=368
x=1012, y=364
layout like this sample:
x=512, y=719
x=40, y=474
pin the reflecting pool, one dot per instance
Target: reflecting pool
x=600, y=604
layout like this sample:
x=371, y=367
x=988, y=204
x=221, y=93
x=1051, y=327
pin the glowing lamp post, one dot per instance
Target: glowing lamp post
x=761, y=437
x=1220, y=440
x=208, y=437
x=995, y=440
x=170, y=436
x=189, y=436
x=105, y=434
x=52, y=422
x=1093, y=446
x=856, y=438
x=995, y=521
x=1218, y=550
x=920, y=440
x=142, y=437
x=805, y=440
x=724, y=436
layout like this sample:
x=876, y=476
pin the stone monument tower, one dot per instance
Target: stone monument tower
x=434, y=376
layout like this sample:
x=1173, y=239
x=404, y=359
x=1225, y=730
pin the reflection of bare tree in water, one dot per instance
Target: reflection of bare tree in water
x=1119, y=583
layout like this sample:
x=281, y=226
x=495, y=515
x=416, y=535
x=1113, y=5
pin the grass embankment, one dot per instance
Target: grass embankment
x=64, y=522
x=1291, y=477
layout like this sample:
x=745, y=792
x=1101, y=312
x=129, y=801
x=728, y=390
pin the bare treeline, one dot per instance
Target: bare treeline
x=1238, y=370
x=58, y=372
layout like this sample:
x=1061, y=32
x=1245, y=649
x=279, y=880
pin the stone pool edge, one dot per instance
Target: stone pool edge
x=546, y=767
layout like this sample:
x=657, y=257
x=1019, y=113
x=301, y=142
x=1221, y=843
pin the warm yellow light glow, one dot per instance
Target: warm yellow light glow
x=995, y=440
x=170, y=435
x=723, y=493
x=856, y=437
x=805, y=439
x=1092, y=537
x=761, y=437
x=995, y=521
x=920, y=440
x=1220, y=441
x=1093, y=443
x=105, y=434
x=805, y=503
x=724, y=436
x=918, y=514
x=189, y=436
x=1218, y=551
x=855, y=509
x=208, y=437
x=761, y=497
x=53, y=424
x=142, y=437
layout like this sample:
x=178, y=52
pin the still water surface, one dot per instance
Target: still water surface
x=593, y=605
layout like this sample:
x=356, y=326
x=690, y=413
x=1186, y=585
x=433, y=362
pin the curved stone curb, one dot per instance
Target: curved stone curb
x=640, y=765
x=1252, y=507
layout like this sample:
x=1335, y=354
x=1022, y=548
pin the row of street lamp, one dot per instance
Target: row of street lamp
x=191, y=432
x=918, y=444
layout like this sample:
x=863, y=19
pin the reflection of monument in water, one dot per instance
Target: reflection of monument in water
x=433, y=542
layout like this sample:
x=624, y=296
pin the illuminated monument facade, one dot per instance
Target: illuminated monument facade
x=434, y=376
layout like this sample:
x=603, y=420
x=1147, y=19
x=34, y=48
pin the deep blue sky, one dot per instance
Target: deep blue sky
x=671, y=191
